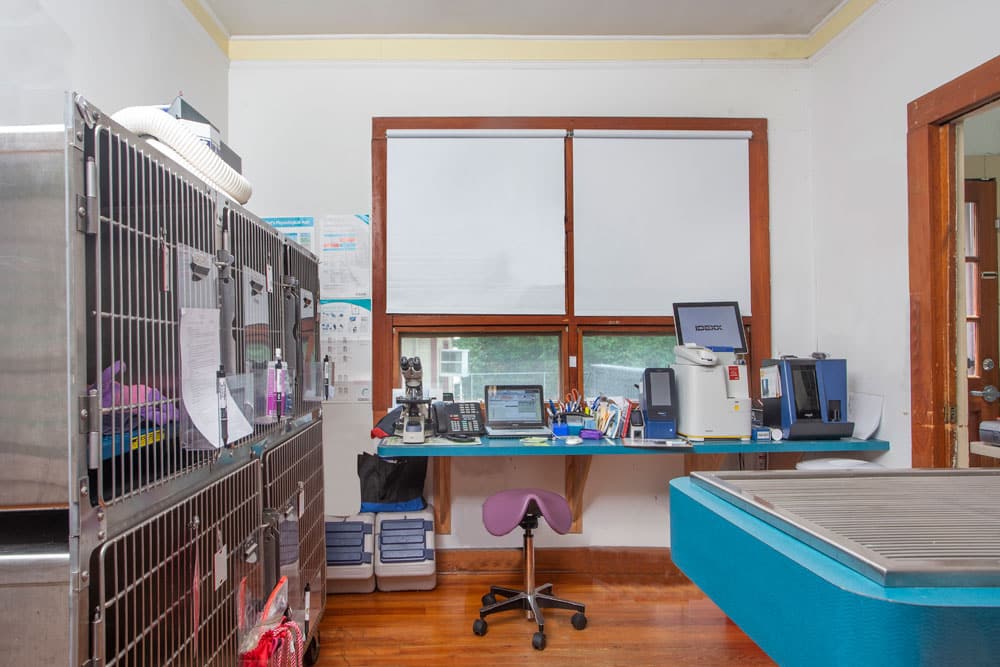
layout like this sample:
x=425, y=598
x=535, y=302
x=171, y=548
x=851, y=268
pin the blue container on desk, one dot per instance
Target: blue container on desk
x=568, y=423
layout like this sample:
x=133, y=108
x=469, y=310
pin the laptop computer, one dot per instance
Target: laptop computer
x=515, y=411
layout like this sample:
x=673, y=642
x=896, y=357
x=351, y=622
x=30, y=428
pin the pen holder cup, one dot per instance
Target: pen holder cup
x=568, y=423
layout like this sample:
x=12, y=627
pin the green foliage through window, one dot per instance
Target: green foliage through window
x=493, y=359
x=613, y=364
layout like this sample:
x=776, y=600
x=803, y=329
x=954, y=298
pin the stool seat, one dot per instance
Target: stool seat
x=504, y=511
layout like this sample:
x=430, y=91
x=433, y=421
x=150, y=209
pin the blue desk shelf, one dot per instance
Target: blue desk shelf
x=514, y=447
x=578, y=459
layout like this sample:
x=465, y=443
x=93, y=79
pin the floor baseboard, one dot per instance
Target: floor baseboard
x=580, y=560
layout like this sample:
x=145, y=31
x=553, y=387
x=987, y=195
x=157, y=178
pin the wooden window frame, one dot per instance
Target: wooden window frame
x=386, y=327
x=931, y=146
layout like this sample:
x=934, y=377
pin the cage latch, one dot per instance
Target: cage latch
x=250, y=550
x=96, y=623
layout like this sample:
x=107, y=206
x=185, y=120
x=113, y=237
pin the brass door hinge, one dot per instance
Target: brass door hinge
x=950, y=414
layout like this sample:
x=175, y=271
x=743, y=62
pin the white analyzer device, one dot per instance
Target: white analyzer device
x=714, y=391
x=712, y=385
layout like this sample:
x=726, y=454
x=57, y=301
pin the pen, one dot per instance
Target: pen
x=220, y=388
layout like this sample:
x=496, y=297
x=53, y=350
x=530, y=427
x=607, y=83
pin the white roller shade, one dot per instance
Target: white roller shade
x=475, y=222
x=660, y=217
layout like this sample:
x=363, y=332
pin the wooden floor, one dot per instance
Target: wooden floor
x=645, y=620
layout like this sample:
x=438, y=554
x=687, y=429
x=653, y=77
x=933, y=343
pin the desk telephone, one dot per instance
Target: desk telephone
x=461, y=419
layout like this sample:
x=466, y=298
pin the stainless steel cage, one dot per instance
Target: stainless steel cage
x=171, y=591
x=108, y=243
x=258, y=316
x=293, y=487
x=302, y=295
x=148, y=211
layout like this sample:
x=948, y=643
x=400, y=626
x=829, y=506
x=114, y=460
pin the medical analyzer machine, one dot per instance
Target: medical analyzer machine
x=658, y=403
x=714, y=392
x=806, y=397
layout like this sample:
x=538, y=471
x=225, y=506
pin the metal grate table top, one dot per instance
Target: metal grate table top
x=915, y=528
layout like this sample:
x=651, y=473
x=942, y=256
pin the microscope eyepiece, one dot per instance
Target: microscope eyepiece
x=415, y=362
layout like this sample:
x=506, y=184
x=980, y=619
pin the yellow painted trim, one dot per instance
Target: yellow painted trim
x=405, y=48
x=209, y=23
x=500, y=49
x=848, y=13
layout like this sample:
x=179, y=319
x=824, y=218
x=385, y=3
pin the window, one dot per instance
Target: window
x=502, y=286
x=484, y=360
x=613, y=363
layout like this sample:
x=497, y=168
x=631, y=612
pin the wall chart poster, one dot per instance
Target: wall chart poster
x=302, y=230
x=345, y=332
x=344, y=249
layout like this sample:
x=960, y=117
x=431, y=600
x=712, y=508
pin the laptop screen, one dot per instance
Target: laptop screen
x=514, y=405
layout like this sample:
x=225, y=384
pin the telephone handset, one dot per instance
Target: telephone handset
x=464, y=418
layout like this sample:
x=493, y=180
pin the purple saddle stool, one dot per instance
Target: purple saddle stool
x=502, y=513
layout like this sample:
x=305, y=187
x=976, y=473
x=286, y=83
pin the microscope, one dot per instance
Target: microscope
x=415, y=419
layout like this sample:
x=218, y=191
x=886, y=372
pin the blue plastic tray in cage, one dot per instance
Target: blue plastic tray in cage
x=123, y=443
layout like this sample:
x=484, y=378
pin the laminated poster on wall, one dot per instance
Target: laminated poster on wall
x=345, y=333
x=344, y=250
x=351, y=378
x=301, y=229
x=351, y=372
x=345, y=319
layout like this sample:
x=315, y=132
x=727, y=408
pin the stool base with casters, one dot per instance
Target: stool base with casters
x=523, y=507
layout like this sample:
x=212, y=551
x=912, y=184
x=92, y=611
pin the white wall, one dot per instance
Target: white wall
x=304, y=131
x=861, y=84
x=116, y=53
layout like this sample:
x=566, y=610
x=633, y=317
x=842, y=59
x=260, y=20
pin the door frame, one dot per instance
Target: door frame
x=932, y=199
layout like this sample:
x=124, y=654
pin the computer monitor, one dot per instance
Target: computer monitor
x=712, y=324
x=514, y=405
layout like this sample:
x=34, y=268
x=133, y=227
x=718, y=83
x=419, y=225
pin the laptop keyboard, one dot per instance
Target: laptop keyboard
x=519, y=433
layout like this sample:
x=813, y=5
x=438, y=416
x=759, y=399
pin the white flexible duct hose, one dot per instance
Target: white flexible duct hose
x=195, y=155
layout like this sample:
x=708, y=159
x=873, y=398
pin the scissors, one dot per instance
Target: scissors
x=572, y=401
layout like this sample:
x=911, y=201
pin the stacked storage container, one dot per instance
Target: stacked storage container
x=405, y=557
x=350, y=551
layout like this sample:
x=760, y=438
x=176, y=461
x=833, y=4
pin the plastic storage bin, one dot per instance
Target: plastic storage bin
x=837, y=464
x=405, y=557
x=350, y=552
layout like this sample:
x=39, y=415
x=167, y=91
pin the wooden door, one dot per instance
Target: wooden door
x=981, y=295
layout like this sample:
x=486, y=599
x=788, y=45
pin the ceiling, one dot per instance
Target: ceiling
x=618, y=18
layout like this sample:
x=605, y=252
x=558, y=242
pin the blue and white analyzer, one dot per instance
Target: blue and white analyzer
x=806, y=397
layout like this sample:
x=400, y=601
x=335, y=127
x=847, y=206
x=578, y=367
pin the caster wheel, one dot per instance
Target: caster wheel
x=312, y=652
x=479, y=627
x=489, y=599
x=579, y=621
x=538, y=641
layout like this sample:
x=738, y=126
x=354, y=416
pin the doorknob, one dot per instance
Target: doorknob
x=989, y=393
x=988, y=364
